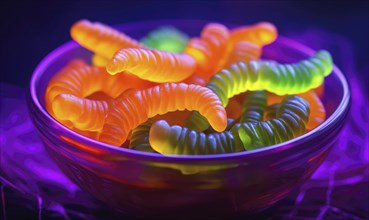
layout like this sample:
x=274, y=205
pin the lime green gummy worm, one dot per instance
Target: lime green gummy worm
x=290, y=122
x=253, y=107
x=166, y=38
x=177, y=140
x=281, y=79
x=140, y=137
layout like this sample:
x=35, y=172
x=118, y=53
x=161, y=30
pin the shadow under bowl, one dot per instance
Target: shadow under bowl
x=142, y=183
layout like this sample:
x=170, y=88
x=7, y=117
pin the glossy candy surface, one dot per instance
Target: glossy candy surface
x=140, y=137
x=317, y=110
x=290, y=122
x=261, y=34
x=167, y=139
x=136, y=106
x=243, y=51
x=117, y=104
x=153, y=65
x=211, y=50
x=253, y=107
x=100, y=38
x=67, y=94
x=278, y=78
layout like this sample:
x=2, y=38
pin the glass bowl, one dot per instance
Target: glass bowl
x=142, y=183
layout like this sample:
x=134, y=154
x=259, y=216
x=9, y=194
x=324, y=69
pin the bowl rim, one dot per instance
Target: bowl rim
x=342, y=109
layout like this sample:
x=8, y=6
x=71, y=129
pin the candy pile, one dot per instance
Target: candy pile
x=173, y=95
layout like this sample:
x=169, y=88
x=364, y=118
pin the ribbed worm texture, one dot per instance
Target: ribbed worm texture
x=291, y=120
x=177, y=140
x=270, y=112
x=100, y=38
x=85, y=114
x=253, y=107
x=98, y=60
x=84, y=81
x=211, y=50
x=57, y=83
x=243, y=52
x=278, y=78
x=140, y=137
x=317, y=110
x=266, y=75
x=77, y=81
x=152, y=65
x=166, y=38
x=261, y=34
x=135, y=107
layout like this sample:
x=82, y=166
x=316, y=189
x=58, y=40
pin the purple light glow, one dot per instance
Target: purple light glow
x=25, y=167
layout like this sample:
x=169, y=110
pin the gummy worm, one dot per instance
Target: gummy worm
x=136, y=107
x=243, y=52
x=266, y=75
x=261, y=34
x=253, y=107
x=317, y=110
x=100, y=38
x=140, y=137
x=290, y=122
x=166, y=38
x=152, y=65
x=211, y=50
x=67, y=92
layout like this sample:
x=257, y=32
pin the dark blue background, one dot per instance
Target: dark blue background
x=29, y=31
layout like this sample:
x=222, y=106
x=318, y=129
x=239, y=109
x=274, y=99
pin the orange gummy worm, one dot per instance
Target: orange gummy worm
x=317, y=110
x=152, y=65
x=66, y=94
x=85, y=114
x=211, y=50
x=317, y=114
x=136, y=106
x=57, y=83
x=100, y=38
x=261, y=34
x=243, y=52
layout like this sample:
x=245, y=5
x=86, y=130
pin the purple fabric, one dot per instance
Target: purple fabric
x=338, y=189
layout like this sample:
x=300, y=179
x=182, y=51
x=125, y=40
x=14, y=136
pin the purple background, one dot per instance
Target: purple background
x=338, y=190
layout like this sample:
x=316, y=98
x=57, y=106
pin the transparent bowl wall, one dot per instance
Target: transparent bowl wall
x=152, y=184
